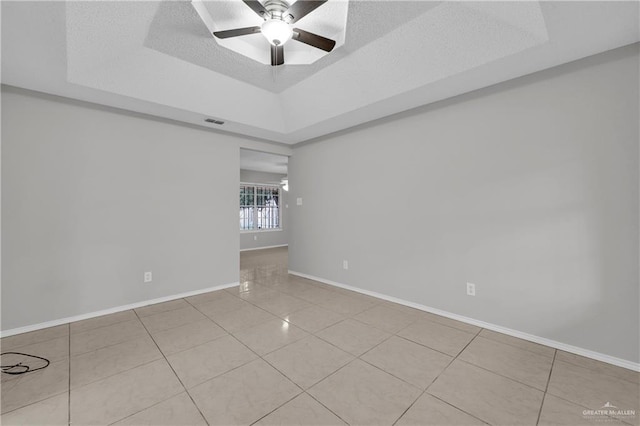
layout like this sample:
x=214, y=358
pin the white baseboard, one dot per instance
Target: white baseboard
x=266, y=247
x=515, y=333
x=47, y=324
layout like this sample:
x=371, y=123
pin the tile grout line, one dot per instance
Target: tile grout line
x=174, y=372
x=343, y=350
x=278, y=407
x=468, y=362
x=146, y=408
x=381, y=329
x=565, y=399
x=424, y=346
x=311, y=304
x=586, y=408
x=325, y=378
x=258, y=357
x=114, y=374
x=516, y=346
x=375, y=366
x=436, y=378
x=191, y=323
x=421, y=316
x=533, y=354
x=358, y=357
x=166, y=310
x=106, y=346
x=486, y=337
x=612, y=376
x=489, y=338
x=161, y=353
x=100, y=326
x=119, y=372
x=413, y=321
x=15, y=348
x=290, y=295
x=374, y=347
x=317, y=331
x=546, y=388
x=348, y=317
x=272, y=366
x=199, y=344
x=458, y=408
x=33, y=403
x=247, y=301
x=492, y=372
x=230, y=333
x=328, y=409
x=391, y=335
x=304, y=300
x=502, y=375
x=17, y=380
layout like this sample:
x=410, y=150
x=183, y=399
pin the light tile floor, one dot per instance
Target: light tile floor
x=280, y=349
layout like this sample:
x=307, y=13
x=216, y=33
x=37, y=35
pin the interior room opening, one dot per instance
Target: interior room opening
x=263, y=207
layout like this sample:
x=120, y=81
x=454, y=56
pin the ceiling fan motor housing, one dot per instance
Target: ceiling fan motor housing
x=279, y=17
x=277, y=9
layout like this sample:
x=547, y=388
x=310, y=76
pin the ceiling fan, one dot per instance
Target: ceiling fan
x=277, y=27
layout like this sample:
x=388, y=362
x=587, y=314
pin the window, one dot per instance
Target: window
x=259, y=207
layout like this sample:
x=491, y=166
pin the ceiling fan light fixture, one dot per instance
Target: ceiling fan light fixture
x=276, y=31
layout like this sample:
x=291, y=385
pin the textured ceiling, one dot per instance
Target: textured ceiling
x=328, y=20
x=157, y=57
x=178, y=31
x=263, y=162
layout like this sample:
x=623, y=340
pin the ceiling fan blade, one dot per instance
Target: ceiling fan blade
x=257, y=7
x=277, y=55
x=236, y=32
x=312, y=39
x=302, y=8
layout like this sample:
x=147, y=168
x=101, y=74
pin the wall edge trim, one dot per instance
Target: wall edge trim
x=619, y=362
x=265, y=247
x=113, y=310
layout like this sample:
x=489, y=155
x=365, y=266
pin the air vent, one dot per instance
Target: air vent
x=214, y=121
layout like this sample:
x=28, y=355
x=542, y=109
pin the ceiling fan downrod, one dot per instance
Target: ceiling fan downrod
x=277, y=9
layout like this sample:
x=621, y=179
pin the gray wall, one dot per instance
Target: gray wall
x=528, y=189
x=92, y=198
x=259, y=239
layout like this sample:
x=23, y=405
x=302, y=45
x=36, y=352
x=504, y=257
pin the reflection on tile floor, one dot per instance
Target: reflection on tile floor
x=285, y=350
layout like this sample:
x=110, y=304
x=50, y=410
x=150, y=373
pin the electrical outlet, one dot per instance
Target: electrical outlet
x=148, y=277
x=471, y=289
x=345, y=264
x=299, y=201
x=255, y=238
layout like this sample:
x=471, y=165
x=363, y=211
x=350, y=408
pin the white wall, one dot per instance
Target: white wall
x=248, y=240
x=528, y=189
x=92, y=198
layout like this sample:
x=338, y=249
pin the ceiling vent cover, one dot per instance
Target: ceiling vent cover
x=214, y=121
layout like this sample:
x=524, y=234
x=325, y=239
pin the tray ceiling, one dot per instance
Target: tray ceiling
x=158, y=57
x=366, y=22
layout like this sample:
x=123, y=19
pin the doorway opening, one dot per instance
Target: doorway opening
x=263, y=214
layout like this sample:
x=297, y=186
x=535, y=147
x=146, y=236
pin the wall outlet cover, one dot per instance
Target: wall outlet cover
x=471, y=289
x=148, y=277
